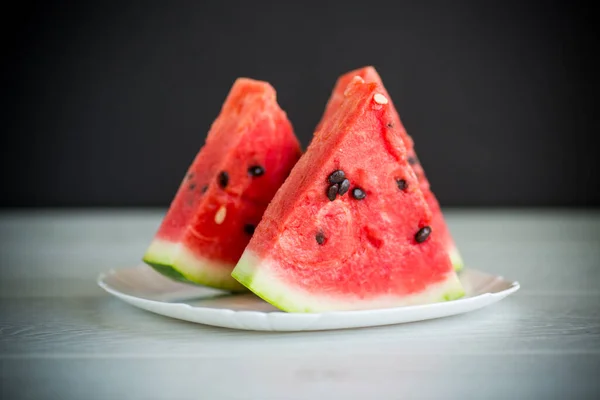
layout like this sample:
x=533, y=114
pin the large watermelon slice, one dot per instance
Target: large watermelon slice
x=350, y=228
x=438, y=223
x=249, y=151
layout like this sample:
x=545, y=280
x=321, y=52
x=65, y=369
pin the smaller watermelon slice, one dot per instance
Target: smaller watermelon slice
x=350, y=228
x=249, y=151
x=369, y=74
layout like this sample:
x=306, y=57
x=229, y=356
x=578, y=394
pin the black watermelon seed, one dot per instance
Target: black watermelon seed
x=412, y=160
x=332, y=191
x=204, y=188
x=256, y=170
x=337, y=176
x=423, y=234
x=249, y=229
x=402, y=184
x=192, y=186
x=390, y=125
x=358, y=193
x=320, y=238
x=189, y=176
x=344, y=186
x=223, y=179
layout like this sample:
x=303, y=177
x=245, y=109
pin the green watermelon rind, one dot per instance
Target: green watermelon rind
x=175, y=262
x=250, y=271
x=168, y=271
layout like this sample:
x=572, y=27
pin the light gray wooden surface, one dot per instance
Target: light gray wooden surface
x=61, y=337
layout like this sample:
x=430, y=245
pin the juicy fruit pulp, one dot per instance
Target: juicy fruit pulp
x=365, y=248
x=369, y=74
x=249, y=151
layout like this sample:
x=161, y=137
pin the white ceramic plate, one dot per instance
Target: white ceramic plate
x=143, y=287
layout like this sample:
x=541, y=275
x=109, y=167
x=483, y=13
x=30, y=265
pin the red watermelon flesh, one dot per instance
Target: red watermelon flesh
x=249, y=151
x=369, y=74
x=314, y=254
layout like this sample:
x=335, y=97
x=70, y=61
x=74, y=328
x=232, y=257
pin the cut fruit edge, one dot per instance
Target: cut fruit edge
x=176, y=262
x=258, y=276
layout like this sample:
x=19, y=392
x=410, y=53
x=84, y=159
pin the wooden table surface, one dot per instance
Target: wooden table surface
x=61, y=337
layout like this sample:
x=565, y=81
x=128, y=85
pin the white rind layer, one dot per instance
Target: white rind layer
x=165, y=254
x=456, y=259
x=259, y=276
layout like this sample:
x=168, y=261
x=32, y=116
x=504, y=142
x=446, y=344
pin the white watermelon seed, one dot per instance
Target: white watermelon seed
x=352, y=83
x=380, y=99
x=220, y=215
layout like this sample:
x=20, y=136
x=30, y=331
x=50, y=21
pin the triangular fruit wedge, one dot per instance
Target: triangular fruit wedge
x=350, y=228
x=249, y=151
x=438, y=223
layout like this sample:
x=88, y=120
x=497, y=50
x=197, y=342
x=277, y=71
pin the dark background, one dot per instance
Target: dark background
x=106, y=103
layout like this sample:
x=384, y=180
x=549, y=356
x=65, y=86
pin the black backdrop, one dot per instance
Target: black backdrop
x=106, y=103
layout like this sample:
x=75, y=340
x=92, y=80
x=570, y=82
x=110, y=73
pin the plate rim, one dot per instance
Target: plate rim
x=514, y=287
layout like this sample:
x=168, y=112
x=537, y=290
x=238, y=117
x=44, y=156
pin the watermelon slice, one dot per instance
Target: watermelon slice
x=369, y=74
x=249, y=151
x=350, y=228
